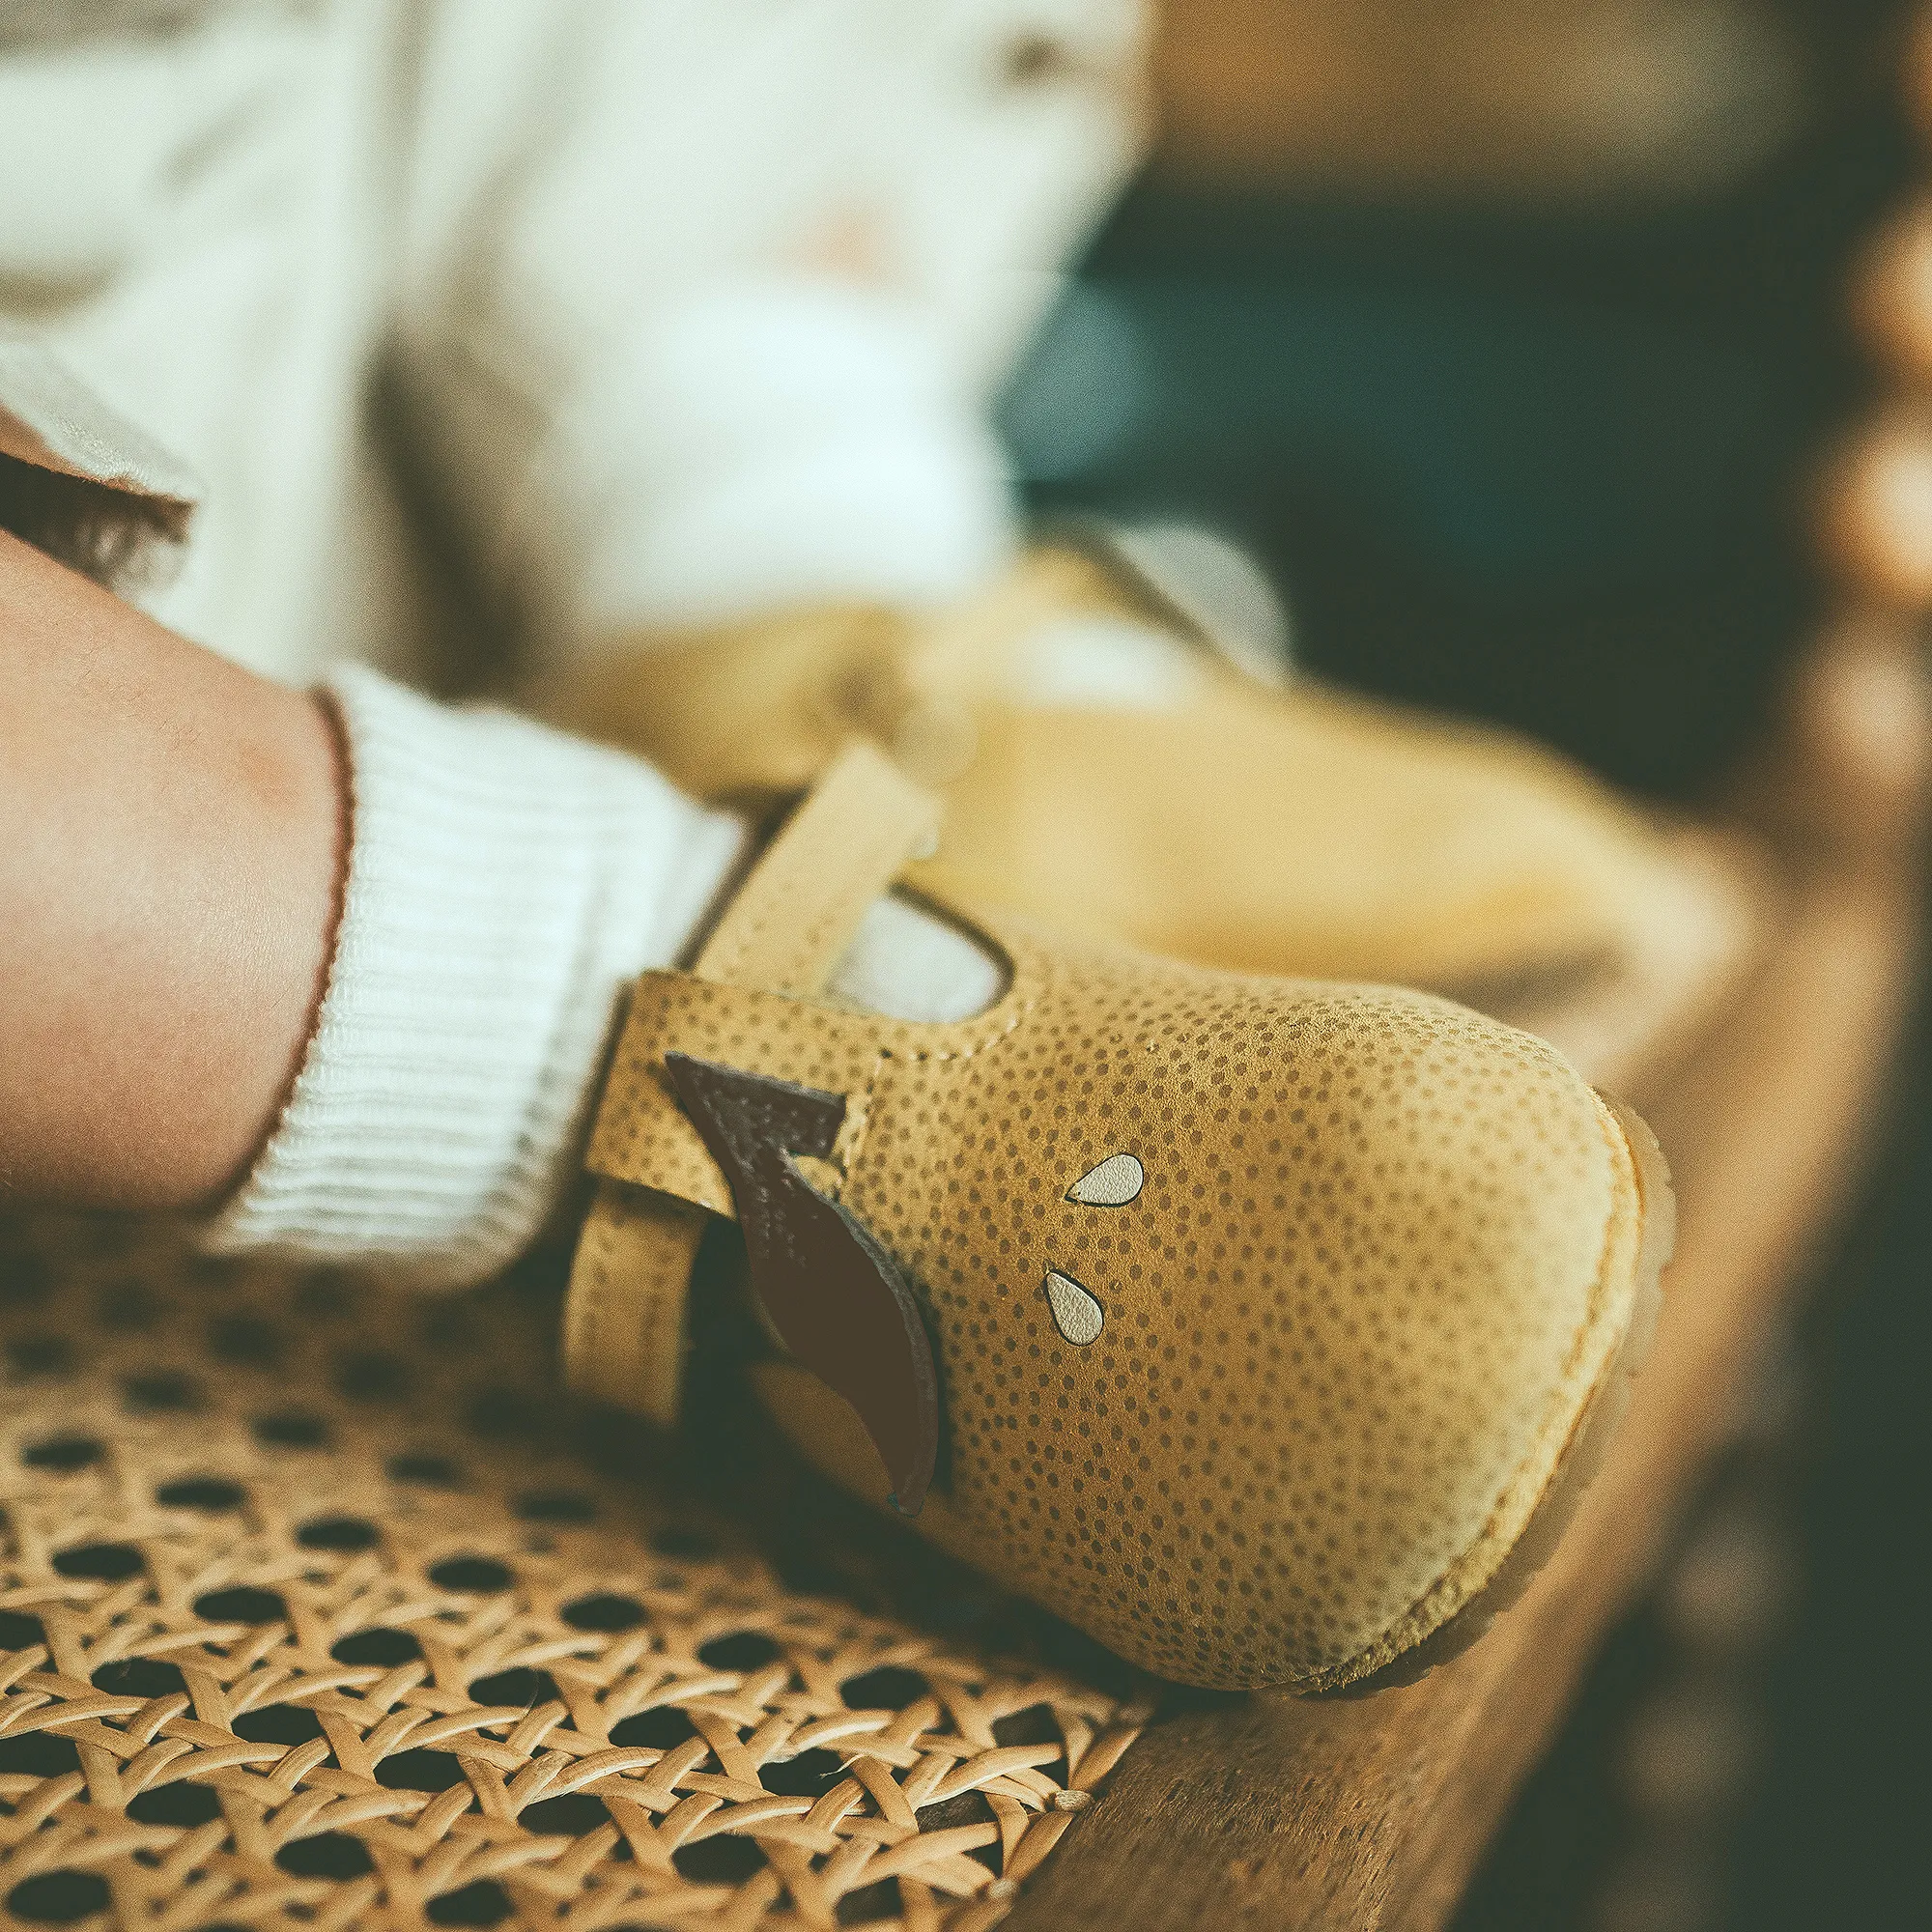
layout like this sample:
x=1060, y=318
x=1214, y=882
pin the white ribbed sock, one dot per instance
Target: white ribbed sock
x=505, y=882
x=908, y=965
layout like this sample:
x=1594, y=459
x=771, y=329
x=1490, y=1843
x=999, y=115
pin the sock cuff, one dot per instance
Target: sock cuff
x=504, y=883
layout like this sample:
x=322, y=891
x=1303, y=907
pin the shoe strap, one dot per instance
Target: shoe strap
x=797, y=912
x=625, y=1330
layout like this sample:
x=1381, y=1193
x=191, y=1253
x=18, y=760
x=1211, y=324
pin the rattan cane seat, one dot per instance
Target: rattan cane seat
x=320, y=1607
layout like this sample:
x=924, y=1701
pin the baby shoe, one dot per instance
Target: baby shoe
x=1249, y=1324
x=1105, y=769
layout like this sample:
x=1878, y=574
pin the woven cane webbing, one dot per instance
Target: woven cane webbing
x=317, y=1610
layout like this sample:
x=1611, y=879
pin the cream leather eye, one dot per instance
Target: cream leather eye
x=1112, y=1184
x=1078, y=1316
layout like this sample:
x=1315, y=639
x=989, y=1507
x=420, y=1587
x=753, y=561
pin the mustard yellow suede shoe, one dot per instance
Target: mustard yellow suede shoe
x=1234, y=823
x=1249, y=1324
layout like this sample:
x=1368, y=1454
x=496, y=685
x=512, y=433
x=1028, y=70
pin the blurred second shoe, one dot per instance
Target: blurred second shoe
x=1106, y=768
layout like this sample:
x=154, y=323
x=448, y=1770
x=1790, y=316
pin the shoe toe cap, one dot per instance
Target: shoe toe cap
x=1275, y=1412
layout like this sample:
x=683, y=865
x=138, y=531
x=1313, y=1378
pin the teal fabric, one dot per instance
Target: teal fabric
x=1544, y=470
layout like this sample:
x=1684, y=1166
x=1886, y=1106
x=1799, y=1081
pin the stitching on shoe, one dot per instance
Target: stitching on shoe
x=933, y=1055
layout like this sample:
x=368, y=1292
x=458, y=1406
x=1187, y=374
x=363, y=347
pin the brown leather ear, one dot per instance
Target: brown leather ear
x=837, y=1299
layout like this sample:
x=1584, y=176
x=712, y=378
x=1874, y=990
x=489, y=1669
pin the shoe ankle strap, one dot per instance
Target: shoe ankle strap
x=625, y=1329
x=792, y=919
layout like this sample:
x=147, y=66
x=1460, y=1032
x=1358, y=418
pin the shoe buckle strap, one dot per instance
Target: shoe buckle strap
x=791, y=920
x=787, y=927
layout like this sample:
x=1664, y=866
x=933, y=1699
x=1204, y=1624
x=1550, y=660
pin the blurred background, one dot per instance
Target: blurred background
x=1505, y=337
